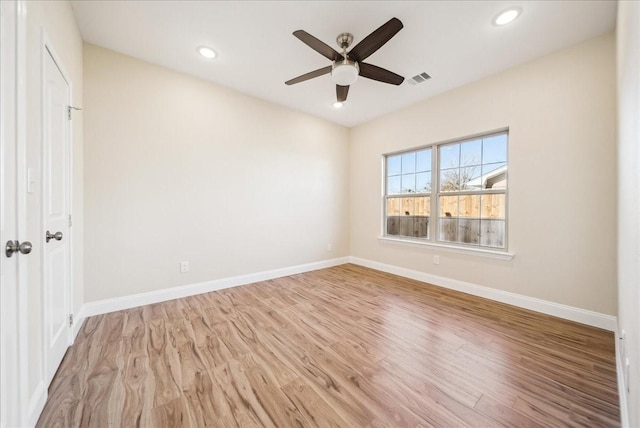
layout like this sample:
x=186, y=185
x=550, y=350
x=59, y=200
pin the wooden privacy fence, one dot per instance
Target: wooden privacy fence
x=414, y=226
x=468, y=219
x=472, y=206
x=485, y=232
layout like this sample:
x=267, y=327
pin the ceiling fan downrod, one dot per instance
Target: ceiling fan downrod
x=344, y=72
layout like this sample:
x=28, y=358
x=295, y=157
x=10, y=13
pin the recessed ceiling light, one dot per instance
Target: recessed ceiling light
x=207, y=52
x=338, y=104
x=507, y=16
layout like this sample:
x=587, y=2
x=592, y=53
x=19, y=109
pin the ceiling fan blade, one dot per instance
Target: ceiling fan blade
x=317, y=45
x=310, y=75
x=341, y=92
x=380, y=74
x=375, y=40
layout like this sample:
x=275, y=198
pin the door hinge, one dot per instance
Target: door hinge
x=70, y=222
x=69, y=108
x=70, y=320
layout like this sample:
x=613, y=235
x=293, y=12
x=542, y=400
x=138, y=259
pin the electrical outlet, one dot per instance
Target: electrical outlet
x=329, y=247
x=436, y=259
x=184, y=267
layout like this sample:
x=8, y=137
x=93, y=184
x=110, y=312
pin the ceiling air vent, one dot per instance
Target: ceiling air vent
x=419, y=78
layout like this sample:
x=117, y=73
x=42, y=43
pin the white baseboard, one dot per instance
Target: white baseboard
x=36, y=404
x=126, y=302
x=622, y=390
x=595, y=319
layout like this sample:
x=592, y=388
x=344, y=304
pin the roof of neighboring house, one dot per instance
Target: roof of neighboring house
x=482, y=180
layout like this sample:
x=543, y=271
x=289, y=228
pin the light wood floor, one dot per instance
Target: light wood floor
x=339, y=347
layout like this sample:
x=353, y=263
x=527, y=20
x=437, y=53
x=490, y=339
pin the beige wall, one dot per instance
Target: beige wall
x=629, y=200
x=560, y=110
x=179, y=169
x=57, y=20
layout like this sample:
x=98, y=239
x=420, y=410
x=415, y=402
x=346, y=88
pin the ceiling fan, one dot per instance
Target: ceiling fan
x=348, y=66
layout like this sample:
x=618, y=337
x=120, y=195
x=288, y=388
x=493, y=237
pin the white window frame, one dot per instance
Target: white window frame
x=434, y=218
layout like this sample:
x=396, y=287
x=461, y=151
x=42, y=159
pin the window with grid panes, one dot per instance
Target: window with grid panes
x=464, y=183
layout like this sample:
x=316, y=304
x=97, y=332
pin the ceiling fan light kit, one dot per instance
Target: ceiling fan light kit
x=345, y=72
x=346, y=67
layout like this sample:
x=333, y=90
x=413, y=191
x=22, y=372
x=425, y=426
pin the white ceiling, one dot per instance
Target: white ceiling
x=453, y=41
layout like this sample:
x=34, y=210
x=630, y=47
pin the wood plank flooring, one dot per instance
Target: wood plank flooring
x=339, y=347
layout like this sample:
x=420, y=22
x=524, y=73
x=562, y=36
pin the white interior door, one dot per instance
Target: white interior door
x=9, y=363
x=56, y=195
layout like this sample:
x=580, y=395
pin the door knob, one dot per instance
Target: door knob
x=15, y=246
x=57, y=236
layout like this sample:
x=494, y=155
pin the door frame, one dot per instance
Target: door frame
x=18, y=11
x=47, y=48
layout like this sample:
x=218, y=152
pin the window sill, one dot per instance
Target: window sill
x=500, y=255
